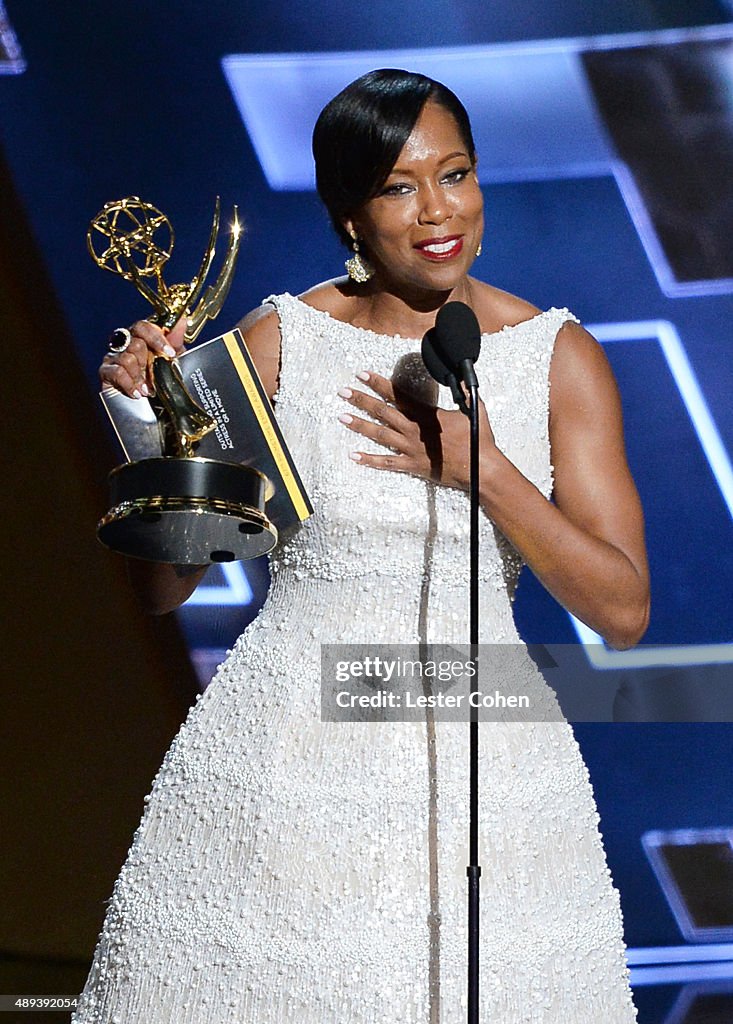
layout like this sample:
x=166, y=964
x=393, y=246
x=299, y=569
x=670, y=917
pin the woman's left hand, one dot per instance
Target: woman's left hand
x=426, y=442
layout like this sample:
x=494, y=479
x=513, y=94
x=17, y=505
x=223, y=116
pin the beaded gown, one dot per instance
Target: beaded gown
x=291, y=869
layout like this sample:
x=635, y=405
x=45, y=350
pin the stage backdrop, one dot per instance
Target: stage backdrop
x=605, y=137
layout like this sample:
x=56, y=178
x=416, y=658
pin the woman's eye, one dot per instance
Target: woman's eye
x=397, y=189
x=454, y=177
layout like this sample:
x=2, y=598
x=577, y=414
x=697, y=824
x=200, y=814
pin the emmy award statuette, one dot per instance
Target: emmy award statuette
x=177, y=507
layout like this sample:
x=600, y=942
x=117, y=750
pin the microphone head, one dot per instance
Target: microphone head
x=457, y=334
x=433, y=362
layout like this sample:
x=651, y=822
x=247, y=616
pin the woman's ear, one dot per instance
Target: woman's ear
x=348, y=225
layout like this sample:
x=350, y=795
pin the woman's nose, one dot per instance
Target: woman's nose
x=434, y=208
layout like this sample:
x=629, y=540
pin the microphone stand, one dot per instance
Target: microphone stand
x=455, y=374
x=473, y=870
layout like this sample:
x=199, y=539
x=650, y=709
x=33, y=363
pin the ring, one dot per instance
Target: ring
x=119, y=340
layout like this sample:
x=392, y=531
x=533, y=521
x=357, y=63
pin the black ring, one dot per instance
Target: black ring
x=119, y=340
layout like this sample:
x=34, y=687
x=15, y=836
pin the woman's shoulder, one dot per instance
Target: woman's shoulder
x=497, y=309
x=335, y=297
x=261, y=326
x=575, y=351
x=261, y=330
x=263, y=322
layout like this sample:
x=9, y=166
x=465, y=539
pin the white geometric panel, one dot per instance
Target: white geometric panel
x=531, y=109
x=234, y=590
x=11, y=58
x=665, y=334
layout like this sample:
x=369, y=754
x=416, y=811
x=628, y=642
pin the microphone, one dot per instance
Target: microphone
x=457, y=340
x=439, y=371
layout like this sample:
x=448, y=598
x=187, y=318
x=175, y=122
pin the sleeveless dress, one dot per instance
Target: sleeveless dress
x=292, y=869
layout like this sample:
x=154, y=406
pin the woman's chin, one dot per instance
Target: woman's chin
x=439, y=279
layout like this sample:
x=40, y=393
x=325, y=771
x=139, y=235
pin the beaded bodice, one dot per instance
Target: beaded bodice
x=373, y=524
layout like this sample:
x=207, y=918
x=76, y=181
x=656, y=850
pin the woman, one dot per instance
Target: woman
x=289, y=868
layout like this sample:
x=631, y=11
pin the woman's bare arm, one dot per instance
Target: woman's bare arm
x=588, y=548
x=261, y=330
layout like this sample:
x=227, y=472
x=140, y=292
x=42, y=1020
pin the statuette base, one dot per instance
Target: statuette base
x=163, y=511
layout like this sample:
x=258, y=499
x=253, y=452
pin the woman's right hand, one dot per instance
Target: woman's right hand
x=130, y=371
x=159, y=587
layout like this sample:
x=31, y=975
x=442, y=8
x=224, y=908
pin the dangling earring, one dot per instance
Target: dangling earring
x=358, y=268
x=478, y=251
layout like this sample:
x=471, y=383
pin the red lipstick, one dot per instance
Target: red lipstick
x=438, y=250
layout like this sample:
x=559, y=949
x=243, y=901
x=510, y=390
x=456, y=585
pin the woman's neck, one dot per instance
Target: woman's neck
x=389, y=311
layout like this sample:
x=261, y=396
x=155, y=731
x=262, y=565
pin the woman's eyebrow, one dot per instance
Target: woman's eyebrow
x=443, y=160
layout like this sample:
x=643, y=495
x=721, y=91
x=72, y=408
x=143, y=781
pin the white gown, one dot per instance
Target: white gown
x=290, y=869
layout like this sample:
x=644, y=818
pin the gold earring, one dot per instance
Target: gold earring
x=478, y=251
x=359, y=269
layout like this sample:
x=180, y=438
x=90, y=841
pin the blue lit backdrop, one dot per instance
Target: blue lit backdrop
x=179, y=102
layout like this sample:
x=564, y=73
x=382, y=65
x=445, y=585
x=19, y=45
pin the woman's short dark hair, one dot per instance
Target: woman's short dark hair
x=361, y=132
